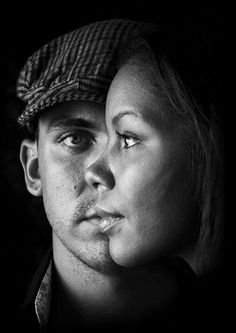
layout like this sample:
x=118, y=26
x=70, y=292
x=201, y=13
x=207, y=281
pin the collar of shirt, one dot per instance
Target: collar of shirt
x=37, y=301
x=43, y=298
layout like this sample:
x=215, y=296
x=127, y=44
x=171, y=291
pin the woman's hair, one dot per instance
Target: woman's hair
x=186, y=74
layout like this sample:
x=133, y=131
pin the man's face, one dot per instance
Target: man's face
x=72, y=136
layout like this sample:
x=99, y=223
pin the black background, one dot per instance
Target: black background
x=24, y=29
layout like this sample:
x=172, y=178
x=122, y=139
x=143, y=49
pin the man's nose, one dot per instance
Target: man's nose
x=99, y=176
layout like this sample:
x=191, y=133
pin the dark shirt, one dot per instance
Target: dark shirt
x=190, y=311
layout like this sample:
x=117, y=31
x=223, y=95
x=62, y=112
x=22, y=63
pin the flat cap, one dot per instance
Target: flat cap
x=79, y=65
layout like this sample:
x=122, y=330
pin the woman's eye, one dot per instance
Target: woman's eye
x=128, y=141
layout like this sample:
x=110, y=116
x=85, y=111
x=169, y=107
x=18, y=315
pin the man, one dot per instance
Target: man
x=64, y=85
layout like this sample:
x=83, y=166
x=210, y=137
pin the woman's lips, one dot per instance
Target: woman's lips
x=102, y=219
x=106, y=223
x=109, y=222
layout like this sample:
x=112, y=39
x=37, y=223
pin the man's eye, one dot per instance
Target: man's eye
x=74, y=140
x=128, y=140
x=77, y=140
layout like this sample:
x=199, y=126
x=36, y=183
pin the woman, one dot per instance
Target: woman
x=167, y=79
x=163, y=162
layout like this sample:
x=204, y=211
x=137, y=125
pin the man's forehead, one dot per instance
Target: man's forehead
x=65, y=112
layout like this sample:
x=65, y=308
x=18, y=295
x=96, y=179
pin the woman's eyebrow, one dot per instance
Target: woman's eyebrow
x=147, y=116
x=71, y=122
x=117, y=118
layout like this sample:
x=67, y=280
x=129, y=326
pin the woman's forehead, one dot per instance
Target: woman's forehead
x=134, y=86
x=131, y=82
x=137, y=87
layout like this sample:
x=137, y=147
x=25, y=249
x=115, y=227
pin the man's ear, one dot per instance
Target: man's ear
x=29, y=161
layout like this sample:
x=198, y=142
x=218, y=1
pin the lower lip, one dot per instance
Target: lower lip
x=105, y=224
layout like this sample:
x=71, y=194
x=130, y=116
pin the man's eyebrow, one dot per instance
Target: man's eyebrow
x=71, y=122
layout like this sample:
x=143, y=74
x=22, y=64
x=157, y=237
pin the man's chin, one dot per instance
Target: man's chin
x=93, y=253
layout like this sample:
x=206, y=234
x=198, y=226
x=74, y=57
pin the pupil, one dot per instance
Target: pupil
x=75, y=139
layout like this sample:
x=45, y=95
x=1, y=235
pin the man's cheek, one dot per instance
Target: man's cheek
x=66, y=176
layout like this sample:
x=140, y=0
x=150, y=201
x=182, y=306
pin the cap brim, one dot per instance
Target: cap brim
x=46, y=101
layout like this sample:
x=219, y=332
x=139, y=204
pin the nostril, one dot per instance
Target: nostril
x=96, y=184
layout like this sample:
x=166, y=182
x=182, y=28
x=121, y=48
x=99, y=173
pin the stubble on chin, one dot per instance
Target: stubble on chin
x=92, y=253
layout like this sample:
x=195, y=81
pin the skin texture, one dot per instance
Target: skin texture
x=130, y=162
x=58, y=172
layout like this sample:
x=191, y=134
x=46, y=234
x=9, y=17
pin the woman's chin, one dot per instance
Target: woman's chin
x=126, y=256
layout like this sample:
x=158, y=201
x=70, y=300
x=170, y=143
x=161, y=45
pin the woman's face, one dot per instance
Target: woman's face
x=147, y=159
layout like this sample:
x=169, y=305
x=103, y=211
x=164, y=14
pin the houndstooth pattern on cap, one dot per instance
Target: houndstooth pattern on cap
x=79, y=65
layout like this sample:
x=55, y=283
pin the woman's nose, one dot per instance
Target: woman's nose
x=99, y=176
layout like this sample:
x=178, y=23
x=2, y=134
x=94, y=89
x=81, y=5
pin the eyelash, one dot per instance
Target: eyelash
x=128, y=136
